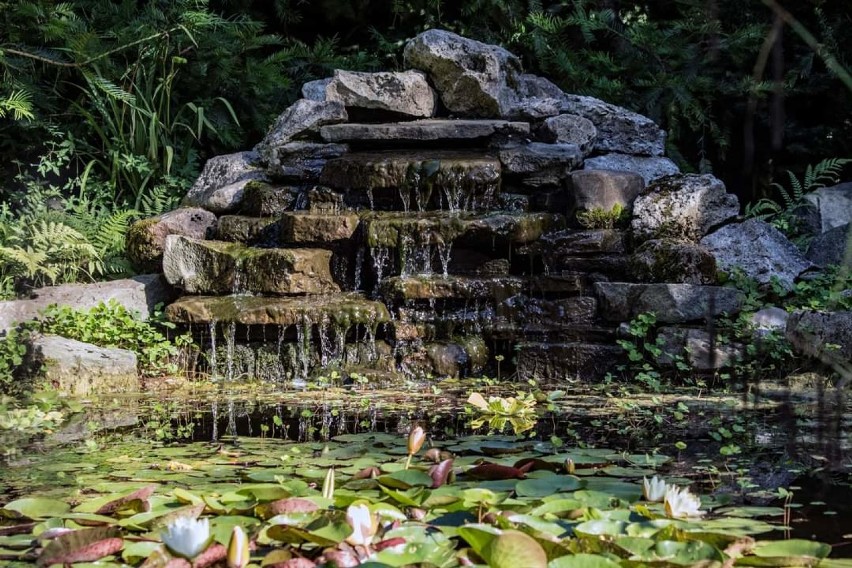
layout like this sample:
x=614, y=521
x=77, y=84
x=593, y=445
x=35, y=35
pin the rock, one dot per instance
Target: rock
x=243, y=229
x=651, y=169
x=138, y=294
x=696, y=348
x=266, y=200
x=341, y=310
x=303, y=161
x=321, y=199
x=537, y=157
x=672, y=303
x=473, y=78
x=665, y=260
x=619, y=130
x=300, y=227
x=301, y=120
x=315, y=90
x=442, y=129
x=759, y=250
x=145, y=239
x=586, y=241
x=82, y=369
x=834, y=205
x=832, y=247
x=572, y=129
x=533, y=108
x=825, y=336
x=406, y=93
x=453, y=359
x=405, y=288
x=602, y=190
x=585, y=361
x=683, y=207
x=769, y=319
x=215, y=267
x=220, y=186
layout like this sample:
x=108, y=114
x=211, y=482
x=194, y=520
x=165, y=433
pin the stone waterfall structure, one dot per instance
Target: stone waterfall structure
x=441, y=221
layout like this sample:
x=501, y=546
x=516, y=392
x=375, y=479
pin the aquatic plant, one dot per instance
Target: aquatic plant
x=187, y=537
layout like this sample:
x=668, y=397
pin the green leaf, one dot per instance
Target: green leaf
x=582, y=561
x=36, y=508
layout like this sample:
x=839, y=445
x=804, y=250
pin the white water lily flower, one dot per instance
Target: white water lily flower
x=238, y=549
x=364, y=525
x=681, y=504
x=187, y=537
x=653, y=490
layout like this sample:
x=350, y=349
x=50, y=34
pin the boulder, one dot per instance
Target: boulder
x=651, y=169
x=301, y=120
x=619, y=130
x=583, y=242
x=473, y=78
x=138, y=294
x=220, y=186
x=302, y=161
x=833, y=204
x=570, y=128
x=82, y=369
x=697, y=348
x=832, y=247
x=145, y=239
x=759, y=250
x=671, y=303
x=215, y=267
x=315, y=90
x=665, y=260
x=683, y=207
x=825, y=336
x=534, y=98
x=539, y=163
x=603, y=189
x=406, y=93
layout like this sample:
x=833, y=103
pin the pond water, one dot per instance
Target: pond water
x=215, y=441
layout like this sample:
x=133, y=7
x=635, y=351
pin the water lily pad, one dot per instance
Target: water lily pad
x=582, y=561
x=406, y=479
x=35, y=508
x=549, y=485
x=513, y=549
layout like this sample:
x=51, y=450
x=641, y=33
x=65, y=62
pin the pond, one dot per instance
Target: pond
x=563, y=471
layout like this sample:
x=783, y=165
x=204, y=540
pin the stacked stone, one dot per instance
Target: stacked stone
x=556, y=216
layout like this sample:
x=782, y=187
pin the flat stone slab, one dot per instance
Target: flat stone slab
x=374, y=170
x=423, y=130
x=216, y=267
x=672, y=303
x=389, y=229
x=343, y=310
x=140, y=293
x=558, y=361
x=301, y=227
x=244, y=229
x=435, y=287
x=82, y=369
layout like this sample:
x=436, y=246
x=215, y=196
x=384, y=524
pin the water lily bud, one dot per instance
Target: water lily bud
x=187, y=537
x=238, y=549
x=328, y=484
x=653, y=490
x=364, y=525
x=415, y=440
x=569, y=466
x=433, y=454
